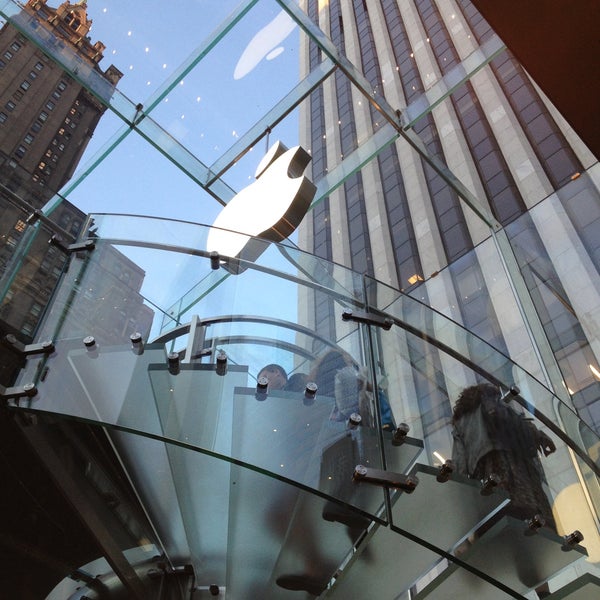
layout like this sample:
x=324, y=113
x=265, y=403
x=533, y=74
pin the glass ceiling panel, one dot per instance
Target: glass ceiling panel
x=149, y=45
x=206, y=88
x=253, y=67
x=135, y=176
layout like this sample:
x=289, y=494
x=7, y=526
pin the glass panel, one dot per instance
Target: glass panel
x=418, y=516
x=522, y=562
x=479, y=356
x=175, y=389
x=424, y=377
x=99, y=372
x=462, y=72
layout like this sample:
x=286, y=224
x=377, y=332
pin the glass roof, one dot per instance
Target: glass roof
x=207, y=86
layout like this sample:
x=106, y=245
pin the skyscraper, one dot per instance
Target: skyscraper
x=47, y=119
x=529, y=176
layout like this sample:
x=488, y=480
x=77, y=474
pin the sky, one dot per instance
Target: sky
x=228, y=91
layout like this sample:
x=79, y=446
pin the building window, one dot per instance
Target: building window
x=25, y=85
x=56, y=94
x=3, y=117
x=39, y=65
x=35, y=309
x=11, y=242
x=73, y=21
x=20, y=226
x=43, y=116
x=50, y=105
x=28, y=138
x=10, y=105
x=8, y=55
x=32, y=74
x=20, y=151
x=15, y=46
x=62, y=86
x=36, y=126
x=61, y=147
x=2, y=64
x=18, y=95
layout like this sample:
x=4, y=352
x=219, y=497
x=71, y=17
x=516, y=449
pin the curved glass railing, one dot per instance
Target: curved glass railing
x=158, y=341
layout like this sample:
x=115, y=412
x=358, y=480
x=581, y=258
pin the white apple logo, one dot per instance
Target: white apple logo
x=271, y=208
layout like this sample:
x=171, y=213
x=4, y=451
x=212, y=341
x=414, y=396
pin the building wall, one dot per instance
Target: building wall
x=399, y=221
x=46, y=121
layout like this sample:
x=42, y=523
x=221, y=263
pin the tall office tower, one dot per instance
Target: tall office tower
x=46, y=121
x=530, y=178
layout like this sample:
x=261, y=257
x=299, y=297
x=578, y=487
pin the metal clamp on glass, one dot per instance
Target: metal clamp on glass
x=221, y=363
x=10, y=341
x=90, y=345
x=534, y=524
x=571, y=540
x=173, y=363
x=262, y=386
x=57, y=241
x=406, y=483
x=215, y=260
x=137, y=343
x=489, y=484
x=445, y=472
x=368, y=318
x=354, y=420
x=310, y=393
x=400, y=433
x=512, y=391
x=23, y=391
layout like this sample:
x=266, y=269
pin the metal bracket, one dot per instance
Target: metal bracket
x=511, y=393
x=406, y=483
x=571, y=540
x=445, y=472
x=23, y=391
x=368, y=318
x=71, y=248
x=27, y=349
x=400, y=433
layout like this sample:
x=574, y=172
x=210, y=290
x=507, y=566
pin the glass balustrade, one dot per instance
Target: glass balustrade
x=341, y=475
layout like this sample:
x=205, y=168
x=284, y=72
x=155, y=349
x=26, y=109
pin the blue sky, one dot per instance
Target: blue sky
x=206, y=112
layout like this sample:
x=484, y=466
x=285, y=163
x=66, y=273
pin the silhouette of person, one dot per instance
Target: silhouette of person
x=337, y=375
x=275, y=375
x=491, y=438
x=296, y=382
